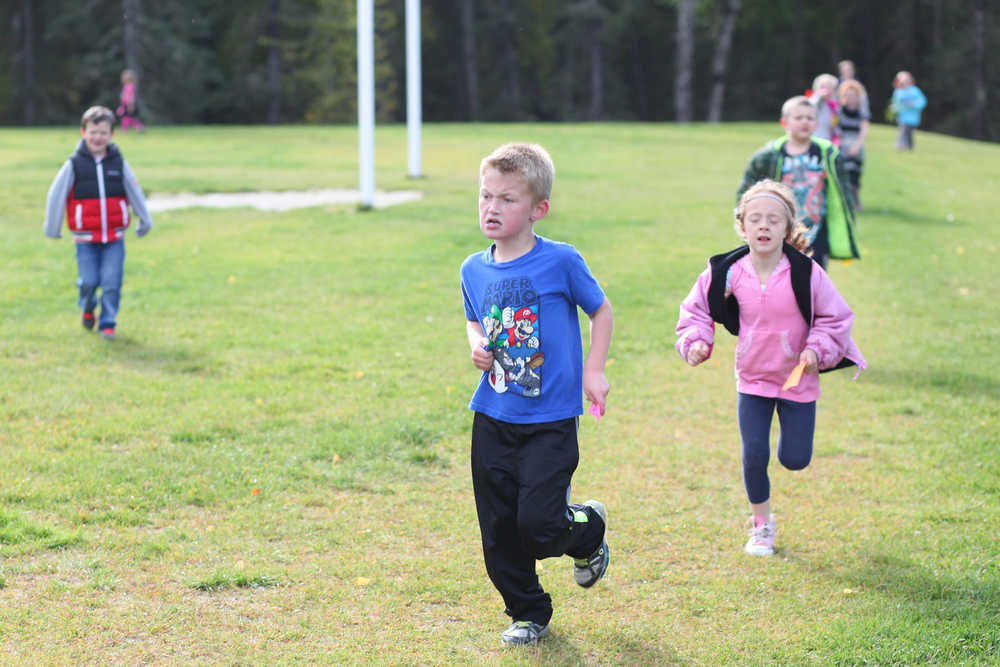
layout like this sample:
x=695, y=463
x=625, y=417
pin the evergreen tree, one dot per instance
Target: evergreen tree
x=202, y=61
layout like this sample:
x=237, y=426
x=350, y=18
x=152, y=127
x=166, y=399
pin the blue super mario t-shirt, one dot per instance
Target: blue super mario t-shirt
x=528, y=311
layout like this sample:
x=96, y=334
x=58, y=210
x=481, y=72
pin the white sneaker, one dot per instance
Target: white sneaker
x=523, y=633
x=761, y=542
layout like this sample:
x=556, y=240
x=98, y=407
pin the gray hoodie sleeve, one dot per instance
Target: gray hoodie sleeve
x=55, y=205
x=136, y=198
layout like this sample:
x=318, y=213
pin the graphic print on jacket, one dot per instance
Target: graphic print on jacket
x=513, y=326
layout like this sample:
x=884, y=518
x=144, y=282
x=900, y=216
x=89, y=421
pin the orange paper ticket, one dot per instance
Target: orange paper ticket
x=794, y=376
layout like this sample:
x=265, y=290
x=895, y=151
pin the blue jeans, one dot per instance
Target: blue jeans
x=795, y=443
x=101, y=265
x=905, y=140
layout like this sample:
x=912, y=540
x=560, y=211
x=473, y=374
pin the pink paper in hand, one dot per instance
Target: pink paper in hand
x=597, y=410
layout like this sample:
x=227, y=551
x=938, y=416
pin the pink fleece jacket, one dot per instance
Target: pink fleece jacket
x=772, y=331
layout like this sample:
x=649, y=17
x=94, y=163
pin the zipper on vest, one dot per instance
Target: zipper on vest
x=103, y=201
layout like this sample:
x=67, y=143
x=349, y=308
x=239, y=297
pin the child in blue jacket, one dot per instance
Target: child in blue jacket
x=907, y=101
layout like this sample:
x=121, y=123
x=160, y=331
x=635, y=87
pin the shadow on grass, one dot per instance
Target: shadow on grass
x=910, y=217
x=956, y=383
x=937, y=618
x=895, y=575
x=633, y=652
x=558, y=649
x=179, y=359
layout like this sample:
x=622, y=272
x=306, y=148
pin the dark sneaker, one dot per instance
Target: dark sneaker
x=88, y=320
x=523, y=633
x=588, y=571
x=108, y=334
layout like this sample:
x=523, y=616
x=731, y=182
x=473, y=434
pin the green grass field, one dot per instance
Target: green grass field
x=270, y=466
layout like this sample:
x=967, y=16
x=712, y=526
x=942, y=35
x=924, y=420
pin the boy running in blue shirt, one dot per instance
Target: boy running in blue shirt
x=521, y=297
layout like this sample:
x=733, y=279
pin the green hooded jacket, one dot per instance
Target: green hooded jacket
x=767, y=163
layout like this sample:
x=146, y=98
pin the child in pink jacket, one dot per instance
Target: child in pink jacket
x=128, y=107
x=787, y=314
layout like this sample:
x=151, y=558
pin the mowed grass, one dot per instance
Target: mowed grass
x=270, y=465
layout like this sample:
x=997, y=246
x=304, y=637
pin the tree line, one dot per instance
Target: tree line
x=293, y=61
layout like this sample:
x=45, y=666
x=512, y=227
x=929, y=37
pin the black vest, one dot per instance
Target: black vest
x=85, y=184
x=850, y=121
x=726, y=311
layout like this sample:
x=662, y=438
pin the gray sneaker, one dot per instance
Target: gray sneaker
x=587, y=571
x=523, y=633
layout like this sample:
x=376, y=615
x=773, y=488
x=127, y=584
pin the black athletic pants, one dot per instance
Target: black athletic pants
x=521, y=477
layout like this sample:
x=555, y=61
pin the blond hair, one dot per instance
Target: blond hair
x=530, y=161
x=797, y=101
x=849, y=85
x=828, y=80
x=794, y=230
x=901, y=77
x=97, y=114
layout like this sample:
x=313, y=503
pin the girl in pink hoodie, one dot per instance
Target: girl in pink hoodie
x=128, y=107
x=790, y=320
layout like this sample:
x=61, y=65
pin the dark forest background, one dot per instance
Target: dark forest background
x=293, y=61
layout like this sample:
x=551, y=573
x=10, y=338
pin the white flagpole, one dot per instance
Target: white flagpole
x=413, y=85
x=366, y=101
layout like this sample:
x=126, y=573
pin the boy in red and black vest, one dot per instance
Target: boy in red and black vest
x=95, y=188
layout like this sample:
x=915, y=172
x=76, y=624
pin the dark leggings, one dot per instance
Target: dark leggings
x=795, y=442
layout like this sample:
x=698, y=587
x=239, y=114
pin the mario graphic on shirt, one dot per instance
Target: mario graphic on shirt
x=514, y=335
x=520, y=326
